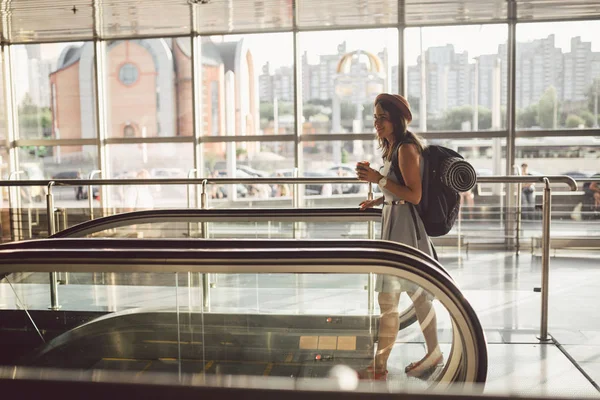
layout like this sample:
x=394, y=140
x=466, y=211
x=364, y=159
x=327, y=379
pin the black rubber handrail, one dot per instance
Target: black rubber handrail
x=187, y=250
x=217, y=215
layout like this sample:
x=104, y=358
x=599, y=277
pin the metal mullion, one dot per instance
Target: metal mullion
x=334, y=136
x=101, y=115
x=159, y=139
x=317, y=28
x=576, y=19
x=12, y=128
x=298, y=150
x=457, y=23
x=562, y=132
x=11, y=136
x=463, y=135
x=6, y=23
x=54, y=142
x=90, y=38
x=511, y=112
x=197, y=109
x=401, y=60
x=252, y=138
x=511, y=80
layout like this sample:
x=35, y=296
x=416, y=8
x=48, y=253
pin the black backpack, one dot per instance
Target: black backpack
x=440, y=204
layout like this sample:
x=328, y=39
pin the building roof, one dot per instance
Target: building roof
x=227, y=51
x=69, y=56
x=212, y=53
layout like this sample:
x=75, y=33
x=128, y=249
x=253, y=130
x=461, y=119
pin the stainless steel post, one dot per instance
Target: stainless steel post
x=296, y=203
x=51, y=229
x=91, y=192
x=191, y=174
x=547, y=203
x=18, y=232
x=519, y=212
x=205, y=277
x=371, y=276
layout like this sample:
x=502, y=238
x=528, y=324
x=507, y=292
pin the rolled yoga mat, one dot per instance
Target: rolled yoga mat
x=458, y=174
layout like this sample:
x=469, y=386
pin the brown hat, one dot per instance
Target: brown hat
x=399, y=101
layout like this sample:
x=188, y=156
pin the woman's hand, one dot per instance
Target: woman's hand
x=367, y=174
x=369, y=204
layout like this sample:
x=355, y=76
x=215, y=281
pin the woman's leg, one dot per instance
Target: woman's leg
x=389, y=324
x=427, y=320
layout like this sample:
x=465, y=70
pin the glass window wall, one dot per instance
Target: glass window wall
x=247, y=91
x=53, y=90
x=342, y=72
x=558, y=75
x=248, y=84
x=448, y=72
x=148, y=85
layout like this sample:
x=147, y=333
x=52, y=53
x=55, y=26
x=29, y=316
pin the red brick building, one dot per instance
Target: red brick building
x=149, y=91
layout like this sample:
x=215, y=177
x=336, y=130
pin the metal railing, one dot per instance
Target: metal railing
x=204, y=182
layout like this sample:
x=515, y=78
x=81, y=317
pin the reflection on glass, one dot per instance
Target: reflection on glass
x=242, y=230
x=57, y=162
x=144, y=161
x=54, y=90
x=558, y=75
x=342, y=74
x=253, y=95
x=448, y=72
x=276, y=324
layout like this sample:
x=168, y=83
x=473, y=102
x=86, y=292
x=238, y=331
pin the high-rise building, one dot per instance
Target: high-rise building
x=279, y=84
x=578, y=72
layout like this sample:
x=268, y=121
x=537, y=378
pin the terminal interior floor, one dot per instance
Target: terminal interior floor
x=500, y=287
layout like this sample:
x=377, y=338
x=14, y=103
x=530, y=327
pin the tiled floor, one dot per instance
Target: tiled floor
x=500, y=287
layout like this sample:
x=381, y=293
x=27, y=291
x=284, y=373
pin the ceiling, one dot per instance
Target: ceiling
x=59, y=20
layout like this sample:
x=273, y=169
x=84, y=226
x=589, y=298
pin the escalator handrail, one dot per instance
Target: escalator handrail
x=300, y=256
x=84, y=248
x=218, y=215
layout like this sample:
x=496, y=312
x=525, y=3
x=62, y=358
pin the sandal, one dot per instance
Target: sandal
x=370, y=374
x=425, y=366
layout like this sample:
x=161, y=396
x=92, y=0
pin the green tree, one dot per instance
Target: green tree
x=548, y=109
x=344, y=156
x=267, y=110
x=319, y=102
x=528, y=117
x=34, y=121
x=574, y=121
x=592, y=95
x=454, y=118
x=308, y=110
x=588, y=117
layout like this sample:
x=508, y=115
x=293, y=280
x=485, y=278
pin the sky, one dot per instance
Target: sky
x=476, y=39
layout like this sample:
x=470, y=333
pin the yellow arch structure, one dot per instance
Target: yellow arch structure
x=375, y=64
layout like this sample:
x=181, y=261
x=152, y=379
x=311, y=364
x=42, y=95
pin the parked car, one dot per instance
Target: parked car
x=241, y=190
x=344, y=171
x=81, y=192
x=33, y=172
x=309, y=189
